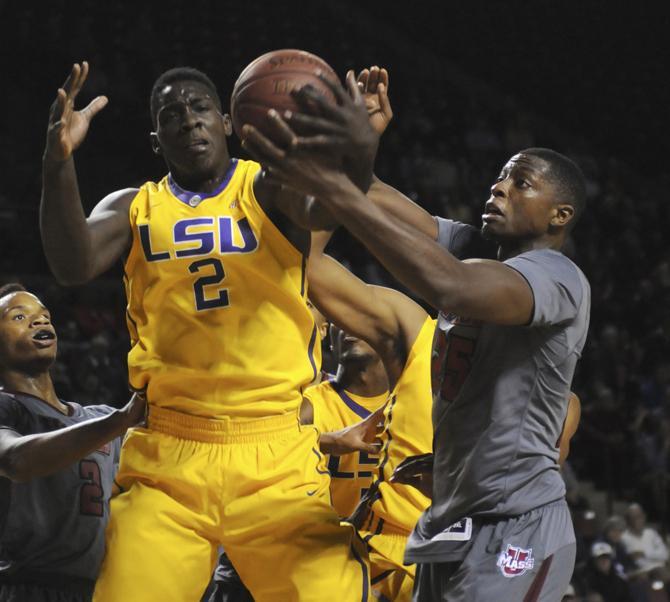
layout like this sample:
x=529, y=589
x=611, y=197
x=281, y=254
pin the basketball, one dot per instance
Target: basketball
x=267, y=83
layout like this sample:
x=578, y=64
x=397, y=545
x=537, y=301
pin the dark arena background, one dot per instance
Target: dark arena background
x=470, y=84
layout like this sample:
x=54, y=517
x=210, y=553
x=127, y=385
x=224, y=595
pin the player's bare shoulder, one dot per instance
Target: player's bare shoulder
x=117, y=202
x=110, y=230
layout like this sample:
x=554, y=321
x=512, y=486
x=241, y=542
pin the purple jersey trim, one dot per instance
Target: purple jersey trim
x=364, y=570
x=310, y=353
x=185, y=196
x=350, y=403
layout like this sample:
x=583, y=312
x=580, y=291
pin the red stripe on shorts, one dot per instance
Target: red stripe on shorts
x=535, y=590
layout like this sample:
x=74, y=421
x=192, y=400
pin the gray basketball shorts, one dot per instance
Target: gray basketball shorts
x=527, y=558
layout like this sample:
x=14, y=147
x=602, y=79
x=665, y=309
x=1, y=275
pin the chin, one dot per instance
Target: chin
x=488, y=232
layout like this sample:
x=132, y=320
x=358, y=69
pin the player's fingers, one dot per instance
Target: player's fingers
x=57, y=106
x=372, y=448
x=384, y=78
x=83, y=74
x=353, y=88
x=261, y=147
x=309, y=124
x=363, y=78
x=320, y=142
x=378, y=414
x=405, y=479
x=384, y=102
x=335, y=87
x=317, y=103
x=374, y=78
x=94, y=107
x=281, y=132
x=78, y=80
x=74, y=73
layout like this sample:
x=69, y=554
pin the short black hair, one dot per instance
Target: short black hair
x=12, y=287
x=179, y=74
x=567, y=176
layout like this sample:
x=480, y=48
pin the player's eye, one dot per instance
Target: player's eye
x=18, y=317
x=167, y=116
x=521, y=183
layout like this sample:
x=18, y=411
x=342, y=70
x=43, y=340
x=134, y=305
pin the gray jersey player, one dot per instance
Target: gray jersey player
x=509, y=337
x=57, y=462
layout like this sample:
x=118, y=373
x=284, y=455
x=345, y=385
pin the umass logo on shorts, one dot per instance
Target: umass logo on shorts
x=515, y=561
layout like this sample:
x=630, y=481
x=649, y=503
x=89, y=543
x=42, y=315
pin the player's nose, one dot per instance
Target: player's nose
x=40, y=320
x=499, y=189
x=189, y=120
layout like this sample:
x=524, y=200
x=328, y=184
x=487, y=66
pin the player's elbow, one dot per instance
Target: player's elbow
x=14, y=468
x=71, y=273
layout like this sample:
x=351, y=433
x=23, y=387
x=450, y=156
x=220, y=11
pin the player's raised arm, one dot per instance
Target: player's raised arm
x=374, y=86
x=77, y=248
x=386, y=319
x=482, y=290
x=24, y=457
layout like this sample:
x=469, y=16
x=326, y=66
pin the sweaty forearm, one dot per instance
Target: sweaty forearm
x=413, y=258
x=63, y=227
x=396, y=204
x=34, y=456
x=360, y=171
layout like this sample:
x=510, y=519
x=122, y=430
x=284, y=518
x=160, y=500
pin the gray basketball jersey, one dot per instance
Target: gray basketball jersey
x=54, y=525
x=500, y=398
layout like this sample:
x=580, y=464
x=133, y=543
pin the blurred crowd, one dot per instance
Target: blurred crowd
x=444, y=149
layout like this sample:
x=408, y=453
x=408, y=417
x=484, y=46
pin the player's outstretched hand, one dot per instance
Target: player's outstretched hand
x=416, y=471
x=342, y=128
x=67, y=128
x=374, y=86
x=135, y=410
x=279, y=153
x=363, y=436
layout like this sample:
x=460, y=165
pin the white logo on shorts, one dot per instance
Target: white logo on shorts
x=515, y=561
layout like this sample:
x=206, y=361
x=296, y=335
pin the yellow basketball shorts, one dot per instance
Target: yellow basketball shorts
x=390, y=579
x=258, y=487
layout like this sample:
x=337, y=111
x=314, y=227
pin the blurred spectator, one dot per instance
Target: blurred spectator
x=612, y=534
x=570, y=595
x=645, y=545
x=600, y=576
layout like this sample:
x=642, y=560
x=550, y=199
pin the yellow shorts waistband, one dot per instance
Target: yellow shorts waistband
x=221, y=430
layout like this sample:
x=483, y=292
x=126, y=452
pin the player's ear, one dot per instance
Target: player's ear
x=563, y=214
x=155, y=145
x=227, y=124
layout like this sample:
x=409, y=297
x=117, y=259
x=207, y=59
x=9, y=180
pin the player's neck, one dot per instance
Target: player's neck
x=512, y=248
x=365, y=378
x=201, y=182
x=38, y=385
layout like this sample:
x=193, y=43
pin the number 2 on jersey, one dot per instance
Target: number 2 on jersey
x=91, y=495
x=202, y=302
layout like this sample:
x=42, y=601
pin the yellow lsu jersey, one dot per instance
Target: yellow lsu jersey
x=217, y=310
x=408, y=432
x=335, y=409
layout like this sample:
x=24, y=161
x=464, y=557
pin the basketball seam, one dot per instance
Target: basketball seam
x=237, y=91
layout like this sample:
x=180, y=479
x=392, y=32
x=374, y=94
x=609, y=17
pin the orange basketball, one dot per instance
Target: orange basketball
x=267, y=82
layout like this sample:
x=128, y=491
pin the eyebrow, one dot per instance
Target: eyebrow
x=12, y=307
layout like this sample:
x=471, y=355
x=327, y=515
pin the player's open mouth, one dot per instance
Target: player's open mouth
x=44, y=335
x=44, y=338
